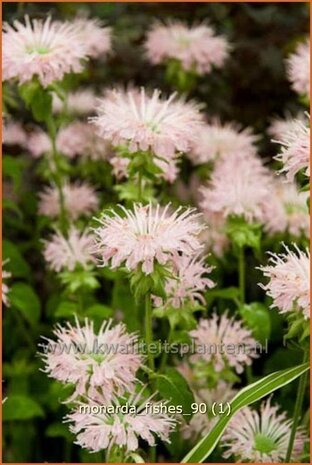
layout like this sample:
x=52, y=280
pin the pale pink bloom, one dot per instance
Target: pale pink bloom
x=99, y=364
x=261, y=436
x=289, y=284
x=288, y=210
x=298, y=68
x=80, y=102
x=103, y=429
x=201, y=423
x=279, y=126
x=146, y=234
x=197, y=48
x=94, y=35
x=120, y=166
x=188, y=283
x=238, y=186
x=13, y=133
x=43, y=49
x=5, y=287
x=165, y=127
x=222, y=141
x=79, y=199
x=214, y=235
x=63, y=253
x=213, y=338
x=295, y=149
x=38, y=143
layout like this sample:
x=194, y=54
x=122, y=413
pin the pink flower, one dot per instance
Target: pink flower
x=80, y=102
x=214, y=236
x=298, y=68
x=238, y=186
x=13, y=133
x=120, y=166
x=94, y=35
x=289, y=284
x=43, y=49
x=197, y=48
x=146, y=234
x=66, y=253
x=288, y=210
x=100, y=365
x=38, y=143
x=103, y=429
x=214, y=337
x=79, y=198
x=279, y=126
x=188, y=283
x=5, y=287
x=216, y=141
x=261, y=436
x=163, y=126
x=295, y=150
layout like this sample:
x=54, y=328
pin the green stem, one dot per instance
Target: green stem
x=164, y=356
x=241, y=274
x=140, y=186
x=57, y=177
x=298, y=408
x=148, y=330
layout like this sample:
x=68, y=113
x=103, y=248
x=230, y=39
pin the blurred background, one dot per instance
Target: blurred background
x=250, y=89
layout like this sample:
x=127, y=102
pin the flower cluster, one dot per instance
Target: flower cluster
x=298, y=68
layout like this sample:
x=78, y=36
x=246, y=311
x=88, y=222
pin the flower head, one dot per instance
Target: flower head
x=38, y=143
x=66, y=253
x=5, y=287
x=216, y=141
x=79, y=199
x=218, y=333
x=298, y=68
x=189, y=281
x=197, y=48
x=148, y=123
x=94, y=35
x=43, y=49
x=102, y=430
x=13, y=134
x=146, y=235
x=238, y=186
x=80, y=102
x=295, y=149
x=289, y=284
x=99, y=364
x=279, y=126
x=261, y=436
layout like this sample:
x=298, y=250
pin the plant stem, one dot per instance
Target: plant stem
x=148, y=330
x=164, y=357
x=241, y=274
x=298, y=408
x=140, y=186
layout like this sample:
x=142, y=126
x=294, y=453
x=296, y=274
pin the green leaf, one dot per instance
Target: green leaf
x=19, y=407
x=23, y=297
x=257, y=317
x=99, y=311
x=243, y=234
x=58, y=430
x=37, y=99
x=172, y=386
x=16, y=263
x=251, y=393
x=66, y=309
x=230, y=293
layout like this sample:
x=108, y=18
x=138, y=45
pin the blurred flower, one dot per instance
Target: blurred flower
x=79, y=198
x=80, y=102
x=289, y=284
x=13, y=133
x=100, y=365
x=214, y=235
x=261, y=436
x=66, y=253
x=197, y=48
x=146, y=234
x=142, y=122
x=120, y=166
x=295, y=149
x=43, y=49
x=38, y=143
x=214, y=337
x=102, y=430
x=288, y=210
x=298, y=68
x=238, y=186
x=216, y=141
x=279, y=126
x=5, y=287
x=188, y=283
x=94, y=35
